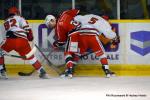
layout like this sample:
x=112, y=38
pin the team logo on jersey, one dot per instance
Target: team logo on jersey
x=140, y=42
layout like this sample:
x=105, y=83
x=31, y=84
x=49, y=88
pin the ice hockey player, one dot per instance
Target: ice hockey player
x=3, y=74
x=80, y=33
x=61, y=27
x=18, y=35
x=92, y=26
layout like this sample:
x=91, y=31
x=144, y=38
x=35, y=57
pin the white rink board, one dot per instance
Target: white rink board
x=131, y=56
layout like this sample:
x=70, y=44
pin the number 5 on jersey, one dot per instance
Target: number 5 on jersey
x=93, y=20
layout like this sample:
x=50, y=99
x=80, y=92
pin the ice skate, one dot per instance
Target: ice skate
x=3, y=74
x=43, y=74
x=68, y=73
x=108, y=73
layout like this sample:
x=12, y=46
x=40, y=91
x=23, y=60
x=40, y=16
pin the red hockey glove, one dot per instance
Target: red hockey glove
x=56, y=44
x=30, y=35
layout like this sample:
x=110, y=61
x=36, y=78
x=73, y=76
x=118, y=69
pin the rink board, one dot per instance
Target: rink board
x=88, y=70
x=124, y=61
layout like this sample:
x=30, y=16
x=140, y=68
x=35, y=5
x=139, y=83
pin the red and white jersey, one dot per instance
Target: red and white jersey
x=65, y=25
x=17, y=24
x=93, y=24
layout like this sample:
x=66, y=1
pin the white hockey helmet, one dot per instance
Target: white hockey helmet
x=49, y=19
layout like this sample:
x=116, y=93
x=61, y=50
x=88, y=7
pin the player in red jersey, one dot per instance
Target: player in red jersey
x=62, y=26
x=18, y=35
x=80, y=33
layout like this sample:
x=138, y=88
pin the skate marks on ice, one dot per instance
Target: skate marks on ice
x=77, y=88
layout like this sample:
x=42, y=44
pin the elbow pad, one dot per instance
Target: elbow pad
x=110, y=34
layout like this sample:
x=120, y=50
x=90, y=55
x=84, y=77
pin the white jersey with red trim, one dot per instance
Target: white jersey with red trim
x=95, y=24
x=18, y=25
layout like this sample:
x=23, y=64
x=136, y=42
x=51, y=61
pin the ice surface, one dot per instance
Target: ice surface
x=78, y=88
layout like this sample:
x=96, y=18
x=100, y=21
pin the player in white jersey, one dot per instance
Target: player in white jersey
x=95, y=24
x=3, y=74
x=92, y=26
x=18, y=35
x=87, y=37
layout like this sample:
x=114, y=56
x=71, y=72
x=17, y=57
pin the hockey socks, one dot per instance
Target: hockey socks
x=105, y=68
x=37, y=65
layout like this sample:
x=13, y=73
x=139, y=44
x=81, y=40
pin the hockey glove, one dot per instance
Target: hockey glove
x=56, y=44
x=29, y=35
x=116, y=40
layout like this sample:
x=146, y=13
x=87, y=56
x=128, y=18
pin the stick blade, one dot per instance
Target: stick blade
x=25, y=74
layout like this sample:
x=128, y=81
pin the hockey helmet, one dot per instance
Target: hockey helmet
x=13, y=10
x=105, y=17
x=50, y=20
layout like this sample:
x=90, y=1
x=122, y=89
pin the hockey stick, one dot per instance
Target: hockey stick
x=49, y=63
x=24, y=57
x=56, y=68
x=86, y=54
x=80, y=56
x=16, y=56
x=30, y=73
x=26, y=73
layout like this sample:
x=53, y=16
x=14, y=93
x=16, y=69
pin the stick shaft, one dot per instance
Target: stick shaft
x=48, y=61
x=16, y=56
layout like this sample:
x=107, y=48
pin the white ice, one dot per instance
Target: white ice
x=78, y=88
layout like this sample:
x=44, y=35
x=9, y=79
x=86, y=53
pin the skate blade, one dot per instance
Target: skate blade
x=113, y=75
x=45, y=77
x=3, y=77
x=68, y=76
x=110, y=75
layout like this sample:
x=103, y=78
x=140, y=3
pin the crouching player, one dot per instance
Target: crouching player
x=80, y=33
x=18, y=35
x=87, y=36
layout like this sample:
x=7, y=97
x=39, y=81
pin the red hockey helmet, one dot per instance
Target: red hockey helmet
x=13, y=10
